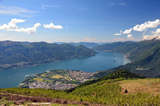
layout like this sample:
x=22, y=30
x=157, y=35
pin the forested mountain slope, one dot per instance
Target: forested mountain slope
x=13, y=54
x=145, y=56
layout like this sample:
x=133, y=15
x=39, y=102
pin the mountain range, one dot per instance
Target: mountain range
x=144, y=56
x=124, y=85
x=19, y=54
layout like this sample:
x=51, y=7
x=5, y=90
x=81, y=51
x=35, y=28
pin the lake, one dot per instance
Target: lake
x=10, y=78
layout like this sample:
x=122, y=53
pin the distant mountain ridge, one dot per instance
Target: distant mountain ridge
x=17, y=54
x=87, y=44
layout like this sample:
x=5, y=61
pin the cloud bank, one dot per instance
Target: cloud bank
x=142, y=28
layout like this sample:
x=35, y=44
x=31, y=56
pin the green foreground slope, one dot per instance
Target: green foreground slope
x=108, y=90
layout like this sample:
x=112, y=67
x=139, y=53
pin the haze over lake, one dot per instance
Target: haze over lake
x=101, y=61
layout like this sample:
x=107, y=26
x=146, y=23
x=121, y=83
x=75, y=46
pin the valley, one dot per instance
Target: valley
x=10, y=78
x=79, y=53
x=120, y=85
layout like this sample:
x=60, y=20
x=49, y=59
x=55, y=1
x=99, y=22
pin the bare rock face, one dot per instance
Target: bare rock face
x=57, y=79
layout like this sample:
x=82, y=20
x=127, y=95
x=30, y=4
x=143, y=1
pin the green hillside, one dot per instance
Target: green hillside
x=144, y=56
x=19, y=54
x=134, y=50
x=115, y=87
x=118, y=88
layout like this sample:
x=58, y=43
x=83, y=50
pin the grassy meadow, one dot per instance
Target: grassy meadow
x=139, y=91
x=118, y=88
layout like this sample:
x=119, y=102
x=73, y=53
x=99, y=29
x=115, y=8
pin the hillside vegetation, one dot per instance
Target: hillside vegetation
x=144, y=56
x=19, y=54
x=134, y=50
x=112, y=90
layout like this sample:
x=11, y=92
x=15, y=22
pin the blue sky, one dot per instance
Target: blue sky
x=79, y=20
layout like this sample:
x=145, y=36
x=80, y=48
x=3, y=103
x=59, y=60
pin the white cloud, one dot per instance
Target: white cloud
x=157, y=31
x=127, y=31
x=117, y=34
x=147, y=25
x=129, y=35
x=10, y=10
x=52, y=26
x=12, y=26
x=29, y=30
x=142, y=28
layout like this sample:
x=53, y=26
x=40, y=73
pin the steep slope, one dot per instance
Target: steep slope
x=134, y=50
x=144, y=56
x=111, y=90
x=15, y=54
x=122, y=47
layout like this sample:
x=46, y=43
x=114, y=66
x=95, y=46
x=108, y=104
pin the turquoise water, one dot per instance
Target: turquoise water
x=102, y=61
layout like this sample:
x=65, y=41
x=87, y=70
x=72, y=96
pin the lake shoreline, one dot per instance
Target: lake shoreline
x=10, y=78
x=27, y=65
